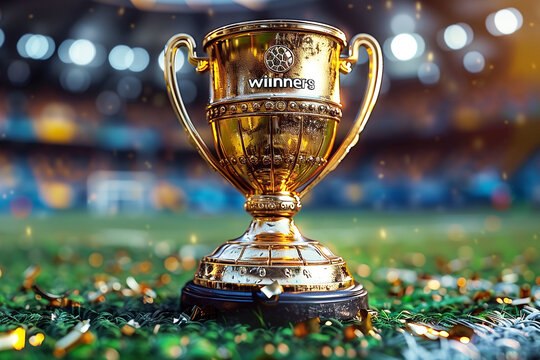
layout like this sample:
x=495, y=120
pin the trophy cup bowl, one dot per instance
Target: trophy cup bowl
x=274, y=110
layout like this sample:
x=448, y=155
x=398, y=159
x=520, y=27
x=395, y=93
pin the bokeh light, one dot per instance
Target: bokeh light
x=474, y=62
x=457, y=36
x=141, y=59
x=56, y=124
x=63, y=51
x=56, y=194
x=82, y=52
x=21, y=45
x=121, y=57
x=75, y=79
x=402, y=23
x=504, y=22
x=129, y=87
x=2, y=37
x=428, y=73
x=108, y=103
x=406, y=46
x=18, y=72
x=38, y=47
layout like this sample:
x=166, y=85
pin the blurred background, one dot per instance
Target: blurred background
x=86, y=124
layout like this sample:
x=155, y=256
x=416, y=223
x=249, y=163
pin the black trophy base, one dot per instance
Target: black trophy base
x=254, y=308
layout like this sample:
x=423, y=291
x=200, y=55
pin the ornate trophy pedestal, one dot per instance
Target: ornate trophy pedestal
x=291, y=307
x=274, y=110
x=312, y=281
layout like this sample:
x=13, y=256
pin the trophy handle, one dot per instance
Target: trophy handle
x=372, y=92
x=201, y=65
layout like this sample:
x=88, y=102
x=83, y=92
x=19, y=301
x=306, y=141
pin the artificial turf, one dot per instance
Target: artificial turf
x=425, y=272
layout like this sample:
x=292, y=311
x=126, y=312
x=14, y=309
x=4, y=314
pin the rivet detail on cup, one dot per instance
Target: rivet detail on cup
x=271, y=205
x=214, y=112
x=279, y=160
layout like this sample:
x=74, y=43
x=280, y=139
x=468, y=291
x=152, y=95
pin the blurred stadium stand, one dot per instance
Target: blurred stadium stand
x=84, y=109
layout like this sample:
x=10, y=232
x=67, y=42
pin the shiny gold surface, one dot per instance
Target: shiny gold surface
x=272, y=25
x=274, y=110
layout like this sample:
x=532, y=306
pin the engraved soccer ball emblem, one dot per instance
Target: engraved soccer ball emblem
x=278, y=58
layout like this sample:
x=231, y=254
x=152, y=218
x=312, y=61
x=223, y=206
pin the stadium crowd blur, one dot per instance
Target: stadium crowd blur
x=85, y=122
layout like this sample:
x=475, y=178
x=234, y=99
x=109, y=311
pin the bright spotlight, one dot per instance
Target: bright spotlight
x=404, y=46
x=179, y=60
x=474, y=62
x=121, y=57
x=507, y=21
x=82, y=52
x=457, y=36
x=429, y=73
x=504, y=22
x=141, y=59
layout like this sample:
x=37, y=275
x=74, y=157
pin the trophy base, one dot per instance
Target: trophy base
x=256, y=309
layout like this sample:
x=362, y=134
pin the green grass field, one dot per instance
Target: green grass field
x=76, y=251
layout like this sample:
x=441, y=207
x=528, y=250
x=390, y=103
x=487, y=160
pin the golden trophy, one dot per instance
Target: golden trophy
x=274, y=110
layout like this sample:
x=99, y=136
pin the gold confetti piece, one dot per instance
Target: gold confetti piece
x=55, y=300
x=96, y=296
x=307, y=327
x=272, y=290
x=95, y=259
x=15, y=339
x=352, y=332
x=521, y=302
x=79, y=335
x=133, y=284
x=37, y=339
x=365, y=325
x=30, y=275
x=525, y=291
x=128, y=330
